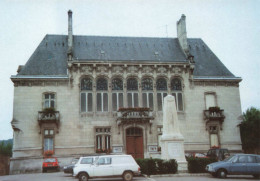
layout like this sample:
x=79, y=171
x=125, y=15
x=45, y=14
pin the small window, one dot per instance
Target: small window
x=49, y=100
x=242, y=159
x=86, y=161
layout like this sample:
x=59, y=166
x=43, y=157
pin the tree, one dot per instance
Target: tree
x=6, y=148
x=250, y=130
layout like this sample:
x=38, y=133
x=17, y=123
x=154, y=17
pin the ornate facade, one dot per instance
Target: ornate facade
x=80, y=95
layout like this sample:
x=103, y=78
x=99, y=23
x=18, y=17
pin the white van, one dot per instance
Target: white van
x=108, y=166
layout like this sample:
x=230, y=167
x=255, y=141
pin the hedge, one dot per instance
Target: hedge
x=151, y=166
x=198, y=165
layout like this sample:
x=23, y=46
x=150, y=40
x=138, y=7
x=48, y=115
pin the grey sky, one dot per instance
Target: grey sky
x=230, y=28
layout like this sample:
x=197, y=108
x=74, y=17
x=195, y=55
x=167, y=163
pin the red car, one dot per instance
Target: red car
x=50, y=164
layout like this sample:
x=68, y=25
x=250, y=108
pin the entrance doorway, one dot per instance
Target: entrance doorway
x=134, y=142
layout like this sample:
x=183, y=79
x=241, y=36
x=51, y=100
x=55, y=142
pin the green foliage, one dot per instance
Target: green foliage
x=6, y=148
x=198, y=165
x=249, y=130
x=151, y=166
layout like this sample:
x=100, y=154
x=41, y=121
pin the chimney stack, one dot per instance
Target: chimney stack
x=182, y=34
x=70, y=36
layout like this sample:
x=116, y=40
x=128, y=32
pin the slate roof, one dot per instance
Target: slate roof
x=50, y=57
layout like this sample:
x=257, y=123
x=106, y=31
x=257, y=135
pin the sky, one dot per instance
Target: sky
x=231, y=28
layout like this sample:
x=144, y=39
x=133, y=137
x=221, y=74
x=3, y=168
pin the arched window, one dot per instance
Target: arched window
x=176, y=89
x=161, y=86
x=117, y=93
x=86, y=95
x=102, y=95
x=132, y=92
x=147, y=92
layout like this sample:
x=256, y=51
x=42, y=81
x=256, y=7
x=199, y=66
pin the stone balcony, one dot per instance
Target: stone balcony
x=52, y=117
x=134, y=115
x=214, y=114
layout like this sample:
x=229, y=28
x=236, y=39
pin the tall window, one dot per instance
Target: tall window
x=210, y=99
x=117, y=93
x=86, y=95
x=161, y=87
x=102, y=95
x=147, y=92
x=103, y=140
x=48, y=139
x=132, y=92
x=49, y=100
x=176, y=88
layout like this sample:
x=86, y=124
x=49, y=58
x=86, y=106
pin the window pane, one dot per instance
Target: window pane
x=46, y=132
x=86, y=84
x=52, y=104
x=117, y=84
x=52, y=96
x=105, y=102
x=107, y=139
x=47, y=96
x=102, y=84
x=114, y=101
x=136, y=100
x=176, y=84
x=145, y=100
x=132, y=84
x=121, y=100
x=48, y=144
x=180, y=103
x=147, y=84
x=159, y=101
x=161, y=84
x=51, y=132
x=98, y=101
x=46, y=104
x=174, y=94
x=89, y=102
x=151, y=100
x=129, y=99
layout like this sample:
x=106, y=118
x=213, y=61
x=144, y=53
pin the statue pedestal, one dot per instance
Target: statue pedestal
x=173, y=148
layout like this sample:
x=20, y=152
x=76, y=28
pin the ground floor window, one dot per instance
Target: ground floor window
x=48, y=142
x=103, y=140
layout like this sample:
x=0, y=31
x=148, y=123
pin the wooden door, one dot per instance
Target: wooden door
x=134, y=142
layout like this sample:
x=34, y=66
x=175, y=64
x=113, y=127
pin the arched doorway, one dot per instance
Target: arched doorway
x=134, y=142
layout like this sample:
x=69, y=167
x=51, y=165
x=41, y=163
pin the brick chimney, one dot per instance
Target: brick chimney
x=70, y=36
x=182, y=34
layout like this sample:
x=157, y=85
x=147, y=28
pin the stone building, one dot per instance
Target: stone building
x=81, y=95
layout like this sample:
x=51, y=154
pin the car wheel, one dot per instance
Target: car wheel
x=83, y=177
x=128, y=176
x=257, y=176
x=222, y=173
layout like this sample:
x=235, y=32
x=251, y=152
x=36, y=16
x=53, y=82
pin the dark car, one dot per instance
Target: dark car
x=218, y=153
x=240, y=164
x=50, y=164
x=69, y=168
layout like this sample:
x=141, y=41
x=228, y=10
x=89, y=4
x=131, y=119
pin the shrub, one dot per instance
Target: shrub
x=198, y=165
x=151, y=166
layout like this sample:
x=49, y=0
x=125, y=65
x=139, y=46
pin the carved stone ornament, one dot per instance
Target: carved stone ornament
x=176, y=70
x=102, y=69
x=86, y=69
x=147, y=69
x=132, y=69
x=161, y=70
x=117, y=69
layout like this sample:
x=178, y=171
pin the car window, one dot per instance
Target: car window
x=104, y=161
x=50, y=160
x=74, y=160
x=258, y=159
x=242, y=159
x=251, y=159
x=235, y=159
x=86, y=161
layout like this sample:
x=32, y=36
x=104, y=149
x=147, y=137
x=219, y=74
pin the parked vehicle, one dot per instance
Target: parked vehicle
x=50, y=164
x=239, y=164
x=108, y=166
x=196, y=155
x=69, y=168
x=218, y=153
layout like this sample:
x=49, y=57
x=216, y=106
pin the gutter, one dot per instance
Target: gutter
x=13, y=77
x=235, y=79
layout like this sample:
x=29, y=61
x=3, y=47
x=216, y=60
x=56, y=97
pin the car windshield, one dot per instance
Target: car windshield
x=50, y=160
x=228, y=159
x=74, y=160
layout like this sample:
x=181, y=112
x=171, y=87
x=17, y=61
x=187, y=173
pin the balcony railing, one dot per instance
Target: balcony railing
x=49, y=117
x=214, y=115
x=129, y=115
